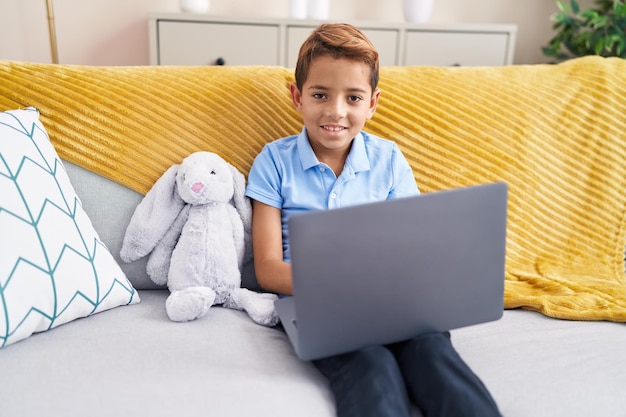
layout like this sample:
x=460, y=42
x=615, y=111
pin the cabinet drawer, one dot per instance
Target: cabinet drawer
x=455, y=48
x=385, y=40
x=199, y=43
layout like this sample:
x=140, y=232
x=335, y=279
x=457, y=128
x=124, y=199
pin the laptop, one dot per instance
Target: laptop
x=384, y=272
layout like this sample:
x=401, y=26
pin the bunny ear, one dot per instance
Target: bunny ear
x=239, y=200
x=152, y=217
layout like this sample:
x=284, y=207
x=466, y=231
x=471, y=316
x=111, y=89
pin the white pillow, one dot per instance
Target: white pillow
x=53, y=266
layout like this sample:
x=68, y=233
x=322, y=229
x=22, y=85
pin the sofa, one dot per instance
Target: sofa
x=555, y=133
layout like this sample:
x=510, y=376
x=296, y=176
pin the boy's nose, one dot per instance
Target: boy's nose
x=336, y=109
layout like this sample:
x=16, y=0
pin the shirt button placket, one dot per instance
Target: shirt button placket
x=332, y=199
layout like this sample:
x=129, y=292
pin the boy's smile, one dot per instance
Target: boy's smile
x=335, y=102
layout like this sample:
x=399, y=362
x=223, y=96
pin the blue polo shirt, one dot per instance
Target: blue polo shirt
x=287, y=175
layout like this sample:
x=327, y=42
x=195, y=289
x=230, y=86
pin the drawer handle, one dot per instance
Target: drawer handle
x=220, y=61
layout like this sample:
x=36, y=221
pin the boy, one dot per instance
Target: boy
x=333, y=163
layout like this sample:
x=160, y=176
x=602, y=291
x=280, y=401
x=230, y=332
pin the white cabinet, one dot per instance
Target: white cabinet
x=445, y=47
x=191, y=39
x=205, y=43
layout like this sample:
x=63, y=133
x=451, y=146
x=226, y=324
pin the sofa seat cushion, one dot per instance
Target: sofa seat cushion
x=134, y=361
x=537, y=366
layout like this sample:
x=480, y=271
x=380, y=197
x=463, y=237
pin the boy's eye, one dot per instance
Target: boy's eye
x=354, y=98
x=319, y=96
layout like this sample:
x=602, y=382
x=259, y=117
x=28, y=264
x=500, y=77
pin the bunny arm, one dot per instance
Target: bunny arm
x=238, y=236
x=158, y=265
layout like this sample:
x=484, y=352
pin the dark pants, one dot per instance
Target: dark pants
x=383, y=380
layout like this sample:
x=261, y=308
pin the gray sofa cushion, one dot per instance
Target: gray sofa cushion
x=110, y=206
x=539, y=366
x=133, y=361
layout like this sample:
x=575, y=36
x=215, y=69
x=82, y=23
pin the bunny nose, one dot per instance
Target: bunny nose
x=197, y=187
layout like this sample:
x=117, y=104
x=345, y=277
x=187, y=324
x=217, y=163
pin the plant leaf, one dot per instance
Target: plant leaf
x=599, y=46
x=600, y=30
x=600, y=22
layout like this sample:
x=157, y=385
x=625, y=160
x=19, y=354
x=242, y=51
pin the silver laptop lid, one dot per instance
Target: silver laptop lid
x=384, y=272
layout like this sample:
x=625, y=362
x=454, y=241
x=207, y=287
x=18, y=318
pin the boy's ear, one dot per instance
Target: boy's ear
x=373, y=103
x=296, y=96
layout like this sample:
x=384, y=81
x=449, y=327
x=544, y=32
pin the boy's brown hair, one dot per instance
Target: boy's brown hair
x=339, y=40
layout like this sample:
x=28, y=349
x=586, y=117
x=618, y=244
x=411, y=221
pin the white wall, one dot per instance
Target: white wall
x=114, y=32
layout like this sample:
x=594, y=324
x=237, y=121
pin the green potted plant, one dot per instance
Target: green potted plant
x=595, y=31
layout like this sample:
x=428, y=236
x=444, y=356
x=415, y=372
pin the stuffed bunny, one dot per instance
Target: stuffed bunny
x=196, y=221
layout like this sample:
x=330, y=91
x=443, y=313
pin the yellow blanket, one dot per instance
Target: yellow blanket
x=555, y=134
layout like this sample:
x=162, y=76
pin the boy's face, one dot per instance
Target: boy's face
x=335, y=102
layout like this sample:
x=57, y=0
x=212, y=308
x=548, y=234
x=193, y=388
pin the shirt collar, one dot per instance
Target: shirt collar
x=357, y=158
x=305, y=151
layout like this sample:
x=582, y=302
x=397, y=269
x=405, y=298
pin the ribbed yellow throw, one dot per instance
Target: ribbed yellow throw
x=555, y=133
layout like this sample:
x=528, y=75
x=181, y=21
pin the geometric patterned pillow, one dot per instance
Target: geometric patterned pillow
x=53, y=266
